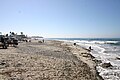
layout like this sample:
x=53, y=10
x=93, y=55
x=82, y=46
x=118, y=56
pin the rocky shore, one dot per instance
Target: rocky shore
x=51, y=60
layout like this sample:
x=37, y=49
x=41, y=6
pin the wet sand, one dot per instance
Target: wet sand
x=52, y=60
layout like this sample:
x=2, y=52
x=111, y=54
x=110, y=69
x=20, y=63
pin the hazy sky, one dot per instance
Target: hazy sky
x=61, y=18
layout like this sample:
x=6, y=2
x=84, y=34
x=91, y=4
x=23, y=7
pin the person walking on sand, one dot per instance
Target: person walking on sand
x=43, y=40
x=74, y=44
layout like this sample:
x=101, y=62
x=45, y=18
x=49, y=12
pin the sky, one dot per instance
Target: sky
x=61, y=18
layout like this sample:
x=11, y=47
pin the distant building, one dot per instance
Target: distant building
x=21, y=37
x=36, y=37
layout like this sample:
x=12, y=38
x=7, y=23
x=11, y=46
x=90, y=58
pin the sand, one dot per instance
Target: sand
x=52, y=60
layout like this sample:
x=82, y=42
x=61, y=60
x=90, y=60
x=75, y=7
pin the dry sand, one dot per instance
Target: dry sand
x=52, y=60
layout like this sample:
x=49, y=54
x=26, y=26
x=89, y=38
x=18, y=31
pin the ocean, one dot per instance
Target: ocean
x=105, y=49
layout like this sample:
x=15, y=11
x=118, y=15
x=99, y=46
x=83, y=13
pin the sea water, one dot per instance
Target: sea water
x=104, y=49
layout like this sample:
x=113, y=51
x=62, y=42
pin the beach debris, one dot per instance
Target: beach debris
x=106, y=65
x=85, y=55
x=86, y=49
x=3, y=63
x=39, y=41
x=57, y=51
x=18, y=64
x=16, y=78
x=118, y=58
x=97, y=61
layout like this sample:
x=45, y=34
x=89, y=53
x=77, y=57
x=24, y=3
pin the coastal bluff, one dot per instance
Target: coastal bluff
x=51, y=60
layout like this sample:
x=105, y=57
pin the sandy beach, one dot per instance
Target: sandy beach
x=51, y=60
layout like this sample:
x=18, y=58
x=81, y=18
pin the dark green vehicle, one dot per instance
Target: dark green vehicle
x=3, y=41
x=6, y=41
x=12, y=41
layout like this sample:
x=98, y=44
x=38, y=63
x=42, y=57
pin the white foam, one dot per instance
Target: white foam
x=112, y=41
x=95, y=42
x=99, y=51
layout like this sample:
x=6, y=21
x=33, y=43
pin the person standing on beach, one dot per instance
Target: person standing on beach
x=43, y=40
x=90, y=48
x=74, y=44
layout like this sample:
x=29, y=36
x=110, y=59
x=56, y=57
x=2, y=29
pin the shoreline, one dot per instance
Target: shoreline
x=52, y=60
x=85, y=55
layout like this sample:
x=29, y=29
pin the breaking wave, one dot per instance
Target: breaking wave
x=98, y=42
